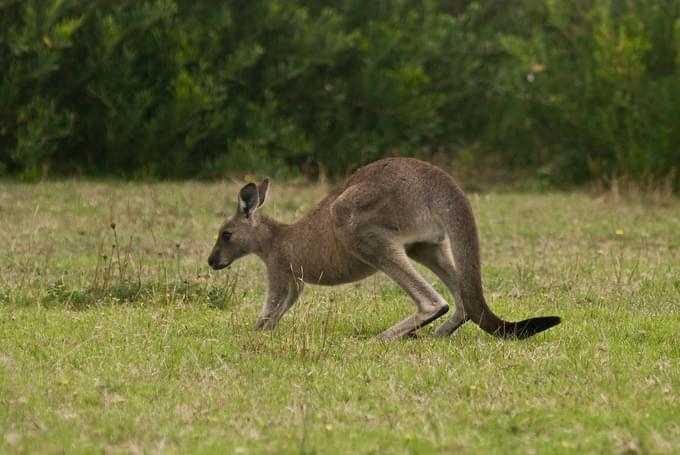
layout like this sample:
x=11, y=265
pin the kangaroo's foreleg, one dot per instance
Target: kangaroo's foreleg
x=282, y=293
x=437, y=257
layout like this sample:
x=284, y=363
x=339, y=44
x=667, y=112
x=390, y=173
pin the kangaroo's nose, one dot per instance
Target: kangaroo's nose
x=211, y=260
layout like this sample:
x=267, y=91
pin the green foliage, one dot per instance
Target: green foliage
x=576, y=89
x=604, y=84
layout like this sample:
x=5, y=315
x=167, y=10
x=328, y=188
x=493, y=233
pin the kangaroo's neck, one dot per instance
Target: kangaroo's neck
x=269, y=235
x=311, y=231
x=310, y=249
x=308, y=236
x=287, y=241
x=301, y=244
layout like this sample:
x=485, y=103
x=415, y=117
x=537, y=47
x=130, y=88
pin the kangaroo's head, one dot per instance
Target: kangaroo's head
x=243, y=233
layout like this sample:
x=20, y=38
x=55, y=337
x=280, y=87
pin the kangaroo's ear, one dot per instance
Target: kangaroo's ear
x=262, y=189
x=248, y=199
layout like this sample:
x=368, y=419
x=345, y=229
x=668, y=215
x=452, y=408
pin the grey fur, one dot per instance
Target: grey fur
x=387, y=212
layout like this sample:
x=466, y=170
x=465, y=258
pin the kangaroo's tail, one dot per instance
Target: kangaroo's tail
x=462, y=231
x=526, y=328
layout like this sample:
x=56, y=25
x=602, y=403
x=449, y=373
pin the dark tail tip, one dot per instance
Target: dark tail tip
x=530, y=327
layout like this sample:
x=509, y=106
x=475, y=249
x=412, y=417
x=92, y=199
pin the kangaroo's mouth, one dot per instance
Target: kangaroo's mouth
x=220, y=266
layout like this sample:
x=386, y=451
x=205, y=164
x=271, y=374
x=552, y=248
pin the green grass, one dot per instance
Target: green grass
x=140, y=348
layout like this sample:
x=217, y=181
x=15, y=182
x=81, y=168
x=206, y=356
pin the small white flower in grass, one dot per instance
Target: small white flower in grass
x=12, y=438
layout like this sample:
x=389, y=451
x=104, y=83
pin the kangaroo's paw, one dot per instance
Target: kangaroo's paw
x=450, y=326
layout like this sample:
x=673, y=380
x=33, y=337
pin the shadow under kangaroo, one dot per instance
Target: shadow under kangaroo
x=386, y=213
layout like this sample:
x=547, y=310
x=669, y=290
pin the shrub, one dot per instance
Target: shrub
x=573, y=89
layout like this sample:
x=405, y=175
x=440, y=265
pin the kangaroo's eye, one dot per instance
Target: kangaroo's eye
x=226, y=236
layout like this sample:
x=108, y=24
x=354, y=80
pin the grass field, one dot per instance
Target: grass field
x=121, y=340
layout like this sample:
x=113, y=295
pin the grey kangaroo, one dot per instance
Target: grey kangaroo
x=385, y=213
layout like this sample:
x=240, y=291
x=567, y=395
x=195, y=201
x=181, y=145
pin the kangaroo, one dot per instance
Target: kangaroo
x=385, y=213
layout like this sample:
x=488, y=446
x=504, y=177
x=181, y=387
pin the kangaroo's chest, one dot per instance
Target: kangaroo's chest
x=322, y=259
x=330, y=264
x=338, y=270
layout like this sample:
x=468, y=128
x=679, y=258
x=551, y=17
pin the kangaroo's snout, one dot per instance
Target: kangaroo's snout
x=214, y=262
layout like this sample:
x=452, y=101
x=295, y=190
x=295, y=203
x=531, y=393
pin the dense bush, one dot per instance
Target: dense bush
x=573, y=89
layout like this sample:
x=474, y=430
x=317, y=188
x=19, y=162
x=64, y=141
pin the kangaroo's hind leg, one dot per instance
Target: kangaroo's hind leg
x=374, y=234
x=391, y=259
x=437, y=257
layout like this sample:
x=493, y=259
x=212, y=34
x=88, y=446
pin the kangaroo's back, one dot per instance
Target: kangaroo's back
x=409, y=177
x=404, y=187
